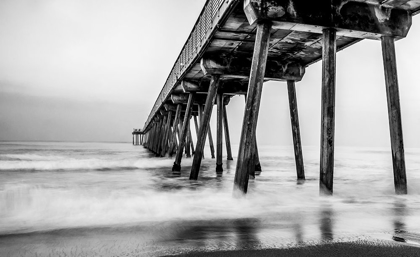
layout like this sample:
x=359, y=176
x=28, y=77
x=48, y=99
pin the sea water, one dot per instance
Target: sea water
x=114, y=199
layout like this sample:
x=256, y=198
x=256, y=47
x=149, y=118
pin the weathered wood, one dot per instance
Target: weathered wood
x=200, y=116
x=133, y=139
x=238, y=66
x=204, y=126
x=177, y=164
x=350, y=18
x=188, y=142
x=174, y=129
x=166, y=140
x=196, y=125
x=328, y=112
x=191, y=140
x=227, y=135
x=189, y=87
x=219, y=134
x=257, y=167
x=246, y=155
x=294, y=118
x=161, y=135
x=394, y=114
x=210, y=142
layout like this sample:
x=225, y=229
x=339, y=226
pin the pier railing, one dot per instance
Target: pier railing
x=213, y=12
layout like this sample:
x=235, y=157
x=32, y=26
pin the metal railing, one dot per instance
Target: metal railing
x=213, y=11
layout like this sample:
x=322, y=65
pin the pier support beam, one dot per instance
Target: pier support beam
x=177, y=164
x=246, y=163
x=219, y=152
x=204, y=126
x=394, y=114
x=174, y=130
x=210, y=141
x=227, y=135
x=294, y=118
x=328, y=111
x=166, y=138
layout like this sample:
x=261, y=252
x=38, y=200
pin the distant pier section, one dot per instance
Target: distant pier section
x=237, y=45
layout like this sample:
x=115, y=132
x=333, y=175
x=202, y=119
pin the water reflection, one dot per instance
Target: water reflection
x=216, y=234
x=326, y=223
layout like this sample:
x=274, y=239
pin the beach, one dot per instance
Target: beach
x=115, y=199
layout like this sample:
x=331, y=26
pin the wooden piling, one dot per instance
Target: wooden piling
x=200, y=116
x=219, y=134
x=227, y=136
x=257, y=167
x=166, y=138
x=294, y=118
x=196, y=125
x=328, y=111
x=174, y=129
x=210, y=141
x=188, y=142
x=161, y=135
x=191, y=140
x=177, y=164
x=246, y=155
x=394, y=114
x=204, y=126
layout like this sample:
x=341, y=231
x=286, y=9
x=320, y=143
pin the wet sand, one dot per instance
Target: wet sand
x=359, y=248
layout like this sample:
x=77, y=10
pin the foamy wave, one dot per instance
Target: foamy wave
x=49, y=163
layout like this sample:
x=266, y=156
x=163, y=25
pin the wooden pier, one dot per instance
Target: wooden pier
x=237, y=45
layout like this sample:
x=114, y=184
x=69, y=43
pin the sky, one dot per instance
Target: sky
x=91, y=70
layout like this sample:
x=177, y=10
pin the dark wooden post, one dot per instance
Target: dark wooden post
x=153, y=144
x=188, y=142
x=394, y=114
x=200, y=116
x=133, y=138
x=328, y=111
x=187, y=116
x=257, y=170
x=204, y=126
x=246, y=162
x=294, y=118
x=174, y=129
x=161, y=135
x=166, y=138
x=191, y=140
x=227, y=136
x=196, y=125
x=219, y=135
x=210, y=142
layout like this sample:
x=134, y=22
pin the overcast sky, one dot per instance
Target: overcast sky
x=91, y=70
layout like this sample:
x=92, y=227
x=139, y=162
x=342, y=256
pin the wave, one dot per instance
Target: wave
x=32, y=162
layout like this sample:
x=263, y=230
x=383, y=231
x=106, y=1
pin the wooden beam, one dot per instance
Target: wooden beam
x=294, y=118
x=174, y=129
x=246, y=155
x=167, y=136
x=219, y=135
x=183, y=99
x=210, y=141
x=394, y=114
x=204, y=126
x=177, y=164
x=348, y=18
x=328, y=112
x=227, y=136
x=238, y=66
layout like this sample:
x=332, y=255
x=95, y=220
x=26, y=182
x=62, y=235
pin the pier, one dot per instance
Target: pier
x=237, y=45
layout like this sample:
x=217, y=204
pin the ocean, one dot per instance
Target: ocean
x=116, y=199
